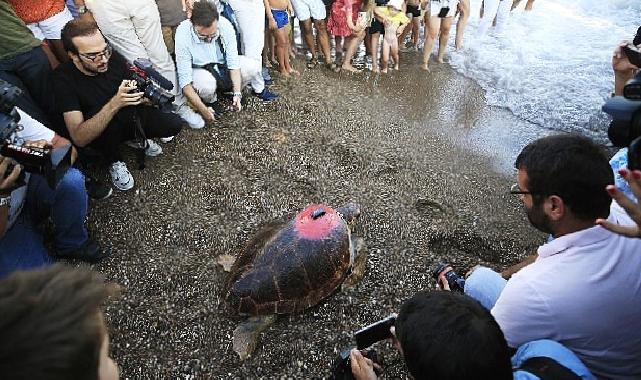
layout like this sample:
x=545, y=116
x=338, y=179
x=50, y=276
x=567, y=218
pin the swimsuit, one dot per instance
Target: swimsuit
x=281, y=17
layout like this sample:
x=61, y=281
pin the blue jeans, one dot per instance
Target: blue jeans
x=485, y=286
x=22, y=246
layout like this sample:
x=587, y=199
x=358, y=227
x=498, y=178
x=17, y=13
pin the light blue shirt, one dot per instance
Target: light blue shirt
x=191, y=51
x=620, y=161
x=552, y=350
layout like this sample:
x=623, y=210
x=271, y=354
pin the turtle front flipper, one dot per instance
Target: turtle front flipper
x=359, y=262
x=247, y=334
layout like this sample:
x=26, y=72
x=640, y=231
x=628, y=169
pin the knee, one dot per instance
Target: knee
x=73, y=184
x=206, y=89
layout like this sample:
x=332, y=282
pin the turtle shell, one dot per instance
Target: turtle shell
x=291, y=266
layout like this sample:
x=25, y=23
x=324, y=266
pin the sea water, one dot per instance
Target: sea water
x=551, y=66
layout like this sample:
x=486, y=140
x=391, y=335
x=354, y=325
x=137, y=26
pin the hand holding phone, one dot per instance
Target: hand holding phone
x=375, y=332
x=634, y=154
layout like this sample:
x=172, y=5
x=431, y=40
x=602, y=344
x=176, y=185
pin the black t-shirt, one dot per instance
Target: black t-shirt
x=76, y=91
x=637, y=38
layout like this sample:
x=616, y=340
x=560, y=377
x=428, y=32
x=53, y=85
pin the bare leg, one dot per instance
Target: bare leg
x=464, y=9
x=432, y=27
x=446, y=24
x=281, y=50
x=338, y=42
x=416, y=24
x=352, y=44
x=323, y=39
x=394, y=51
x=385, y=58
x=308, y=36
x=374, y=43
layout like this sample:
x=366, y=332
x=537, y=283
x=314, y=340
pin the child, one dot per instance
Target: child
x=278, y=18
x=394, y=20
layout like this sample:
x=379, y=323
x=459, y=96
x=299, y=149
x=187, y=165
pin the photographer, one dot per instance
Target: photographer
x=207, y=60
x=52, y=326
x=585, y=270
x=24, y=206
x=100, y=104
x=448, y=336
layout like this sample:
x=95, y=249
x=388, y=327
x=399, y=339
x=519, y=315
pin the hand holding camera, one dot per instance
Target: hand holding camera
x=362, y=367
x=127, y=95
x=621, y=57
x=10, y=176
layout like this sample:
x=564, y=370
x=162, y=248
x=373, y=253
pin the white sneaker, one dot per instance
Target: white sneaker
x=192, y=118
x=120, y=176
x=167, y=139
x=152, y=150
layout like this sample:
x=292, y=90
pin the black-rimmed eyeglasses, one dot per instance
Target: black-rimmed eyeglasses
x=516, y=190
x=95, y=57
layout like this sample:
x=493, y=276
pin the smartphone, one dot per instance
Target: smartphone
x=633, y=54
x=634, y=154
x=375, y=332
x=444, y=11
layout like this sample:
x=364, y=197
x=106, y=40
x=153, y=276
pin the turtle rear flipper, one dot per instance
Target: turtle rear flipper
x=357, y=270
x=247, y=334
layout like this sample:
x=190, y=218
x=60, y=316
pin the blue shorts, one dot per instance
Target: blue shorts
x=281, y=17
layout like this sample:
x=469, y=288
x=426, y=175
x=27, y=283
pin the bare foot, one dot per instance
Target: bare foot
x=350, y=68
x=424, y=67
x=440, y=60
x=268, y=64
x=376, y=70
x=294, y=72
x=396, y=66
x=384, y=71
x=284, y=74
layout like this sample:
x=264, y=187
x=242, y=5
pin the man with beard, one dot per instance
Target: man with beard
x=99, y=102
x=583, y=289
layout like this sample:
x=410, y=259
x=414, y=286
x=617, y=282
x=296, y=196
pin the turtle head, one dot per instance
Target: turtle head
x=350, y=212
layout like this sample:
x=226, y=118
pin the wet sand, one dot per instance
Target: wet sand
x=398, y=145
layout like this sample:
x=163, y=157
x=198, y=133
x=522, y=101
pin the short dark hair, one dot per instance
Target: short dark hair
x=204, y=13
x=77, y=28
x=571, y=167
x=449, y=336
x=50, y=325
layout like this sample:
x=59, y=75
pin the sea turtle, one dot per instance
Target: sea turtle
x=288, y=267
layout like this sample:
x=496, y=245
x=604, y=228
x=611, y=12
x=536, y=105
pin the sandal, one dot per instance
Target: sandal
x=312, y=63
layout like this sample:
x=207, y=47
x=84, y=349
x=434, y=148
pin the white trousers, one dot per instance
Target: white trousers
x=250, y=74
x=251, y=21
x=133, y=28
x=494, y=8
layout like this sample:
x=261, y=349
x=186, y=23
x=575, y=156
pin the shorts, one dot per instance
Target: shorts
x=377, y=26
x=413, y=10
x=281, y=17
x=435, y=7
x=306, y=9
x=52, y=27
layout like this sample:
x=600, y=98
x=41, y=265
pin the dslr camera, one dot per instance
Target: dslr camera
x=50, y=163
x=155, y=87
x=365, y=337
x=625, y=128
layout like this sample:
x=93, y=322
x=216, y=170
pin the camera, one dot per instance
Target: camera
x=365, y=337
x=50, y=163
x=152, y=84
x=456, y=282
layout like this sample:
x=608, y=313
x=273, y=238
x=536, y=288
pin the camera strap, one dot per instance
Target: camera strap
x=140, y=137
x=547, y=369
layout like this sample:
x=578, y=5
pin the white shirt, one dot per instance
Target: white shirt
x=31, y=129
x=584, y=291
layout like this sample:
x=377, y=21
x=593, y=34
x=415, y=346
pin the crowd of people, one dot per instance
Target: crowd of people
x=570, y=311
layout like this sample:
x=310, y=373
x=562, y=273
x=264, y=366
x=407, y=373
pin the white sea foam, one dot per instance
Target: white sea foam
x=552, y=65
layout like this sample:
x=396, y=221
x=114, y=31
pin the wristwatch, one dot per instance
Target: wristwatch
x=5, y=201
x=238, y=94
x=82, y=10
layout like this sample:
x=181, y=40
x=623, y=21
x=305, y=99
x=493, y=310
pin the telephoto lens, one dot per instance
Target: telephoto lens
x=456, y=282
